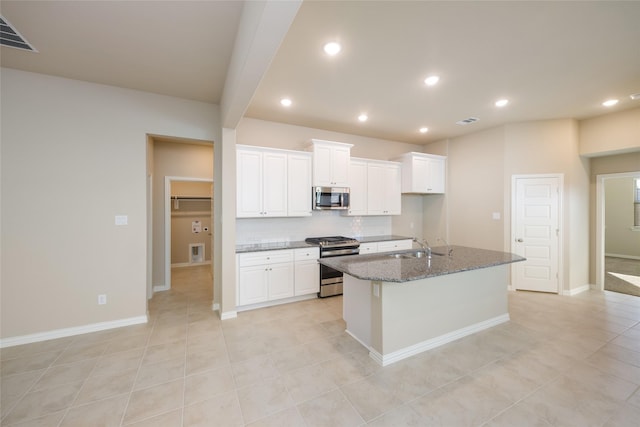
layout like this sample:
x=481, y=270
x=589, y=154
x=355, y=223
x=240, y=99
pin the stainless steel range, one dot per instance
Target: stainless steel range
x=330, y=279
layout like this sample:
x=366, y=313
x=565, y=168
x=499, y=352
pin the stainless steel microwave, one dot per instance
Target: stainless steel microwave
x=330, y=198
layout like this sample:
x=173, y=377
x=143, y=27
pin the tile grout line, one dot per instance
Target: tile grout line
x=133, y=383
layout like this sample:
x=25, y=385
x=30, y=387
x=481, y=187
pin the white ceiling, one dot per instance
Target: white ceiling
x=551, y=59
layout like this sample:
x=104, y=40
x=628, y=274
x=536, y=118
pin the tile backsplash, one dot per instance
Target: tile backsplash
x=321, y=223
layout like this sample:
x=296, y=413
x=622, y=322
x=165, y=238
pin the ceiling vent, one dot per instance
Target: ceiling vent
x=10, y=37
x=467, y=121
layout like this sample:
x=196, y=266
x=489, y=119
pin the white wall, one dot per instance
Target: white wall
x=73, y=156
x=613, y=133
x=551, y=146
x=476, y=189
x=480, y=167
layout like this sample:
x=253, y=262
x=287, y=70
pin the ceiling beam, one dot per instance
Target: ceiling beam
x=262, y=28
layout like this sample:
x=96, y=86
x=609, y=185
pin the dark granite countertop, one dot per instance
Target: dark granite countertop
x=386, y=268
x=272, y=246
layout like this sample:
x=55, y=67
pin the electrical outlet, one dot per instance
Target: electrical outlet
x=102, y=299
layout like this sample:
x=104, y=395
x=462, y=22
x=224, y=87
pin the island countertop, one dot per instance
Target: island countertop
x=385, y=267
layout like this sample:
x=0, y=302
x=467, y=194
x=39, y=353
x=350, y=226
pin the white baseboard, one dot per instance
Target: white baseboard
x=412, y=350
x=67, y=332
x=576, y=291
x=277, y=302
x=228, y=315
x=160, y=288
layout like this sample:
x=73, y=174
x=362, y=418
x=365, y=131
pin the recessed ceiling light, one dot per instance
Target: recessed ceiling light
x=635, y=97
x=610, y=102
x=431, y=80
x=285, y=102
x=424, y=130
x=502, y=102
x=332, y=48
x=363, y=117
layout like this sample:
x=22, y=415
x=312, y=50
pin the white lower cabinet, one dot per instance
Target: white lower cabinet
x=307, y=271
x=280, y=281
x=392, y=245
x=274, y=275
x=368, y=248
x=264, y=276
x=252, y=285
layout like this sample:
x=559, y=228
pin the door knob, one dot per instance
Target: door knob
x=519, y=240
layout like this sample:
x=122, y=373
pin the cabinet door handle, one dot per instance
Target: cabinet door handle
x=519, y=240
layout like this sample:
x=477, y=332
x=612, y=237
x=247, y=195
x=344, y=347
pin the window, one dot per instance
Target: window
x=636, y=204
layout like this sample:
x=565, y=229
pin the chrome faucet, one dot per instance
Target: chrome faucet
x=425, y=246
x=449, y=248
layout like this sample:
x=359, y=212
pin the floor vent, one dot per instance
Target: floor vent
x=467, y=121
x=10, y=37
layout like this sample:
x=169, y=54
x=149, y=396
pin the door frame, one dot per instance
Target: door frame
x=167, y=225
x=600, y=218
x=560, y=177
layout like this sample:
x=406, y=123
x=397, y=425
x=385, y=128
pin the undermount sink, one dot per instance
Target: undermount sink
x=410, y=255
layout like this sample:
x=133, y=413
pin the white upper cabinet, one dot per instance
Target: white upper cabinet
x=249, y=183
x=331, y=163
x=272, y=183
x=358, y=188
x=423, y=173
x=375, y=188
x=299, y=184
x=383, y=191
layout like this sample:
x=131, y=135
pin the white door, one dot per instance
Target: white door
x=535, y=233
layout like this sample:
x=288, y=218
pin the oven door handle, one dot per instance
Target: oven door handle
x=338, y=252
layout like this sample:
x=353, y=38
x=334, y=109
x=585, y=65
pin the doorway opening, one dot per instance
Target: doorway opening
x=178, y=159
x=618, y=233
x=188, y=227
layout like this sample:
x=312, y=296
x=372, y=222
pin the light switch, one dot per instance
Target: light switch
x=496, y=215
x=122, y=219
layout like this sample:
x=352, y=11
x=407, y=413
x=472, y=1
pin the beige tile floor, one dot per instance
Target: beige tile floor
x=561, y=361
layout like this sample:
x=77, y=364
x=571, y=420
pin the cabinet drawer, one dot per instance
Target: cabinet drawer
x=394, y=245
x=368, y=248
x=264, y=257
x=306, y=254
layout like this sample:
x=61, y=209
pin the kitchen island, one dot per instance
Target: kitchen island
x=403, y=303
